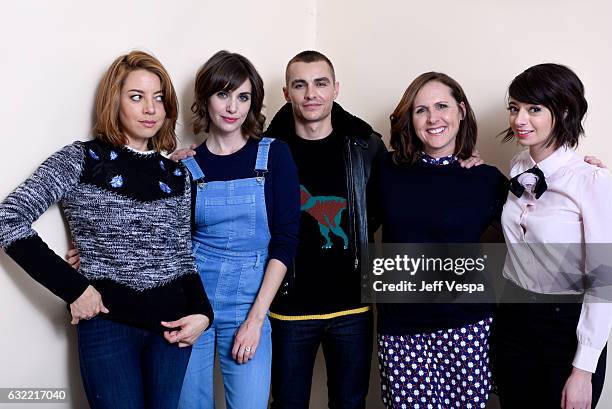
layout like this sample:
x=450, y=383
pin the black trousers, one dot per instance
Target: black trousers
x=532, y=349
x=347, y=348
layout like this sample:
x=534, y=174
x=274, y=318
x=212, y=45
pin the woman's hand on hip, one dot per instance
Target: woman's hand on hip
x=578, y=391
x=191, y=327
x=87, y=306
x=246, y=340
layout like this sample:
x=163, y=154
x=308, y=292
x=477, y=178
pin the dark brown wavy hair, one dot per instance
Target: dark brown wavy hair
x=108, y=127
x=404, y=140
x=227, y=71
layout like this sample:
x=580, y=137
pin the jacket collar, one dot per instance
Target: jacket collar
x=282, y=125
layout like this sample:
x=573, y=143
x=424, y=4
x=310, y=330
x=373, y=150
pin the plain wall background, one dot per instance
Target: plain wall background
x=53, y=55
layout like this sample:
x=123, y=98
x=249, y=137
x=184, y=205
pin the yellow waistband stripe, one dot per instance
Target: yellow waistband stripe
x=319, y=316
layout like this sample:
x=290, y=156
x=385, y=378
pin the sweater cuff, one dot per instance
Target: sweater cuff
x=586, y=358
x=46, y=267
x=196, y=299
x=281, y=256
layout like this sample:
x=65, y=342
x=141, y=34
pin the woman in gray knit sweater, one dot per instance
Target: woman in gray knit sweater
x=137, y=299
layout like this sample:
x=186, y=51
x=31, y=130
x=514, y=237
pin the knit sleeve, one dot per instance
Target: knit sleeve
x=501, y=186
x=285, y=221
x=196, y=300
x=47, y=185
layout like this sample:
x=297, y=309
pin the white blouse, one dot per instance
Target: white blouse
x=575, y=209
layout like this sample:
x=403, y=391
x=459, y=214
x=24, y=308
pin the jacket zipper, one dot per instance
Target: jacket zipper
x=352, y=193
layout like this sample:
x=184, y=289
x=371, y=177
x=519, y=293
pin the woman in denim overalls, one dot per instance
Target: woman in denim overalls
x=241, y=262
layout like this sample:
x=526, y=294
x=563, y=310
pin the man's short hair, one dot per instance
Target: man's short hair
x=309, y=56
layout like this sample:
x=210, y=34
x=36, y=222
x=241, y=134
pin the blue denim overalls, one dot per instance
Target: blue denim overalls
x=230, y=244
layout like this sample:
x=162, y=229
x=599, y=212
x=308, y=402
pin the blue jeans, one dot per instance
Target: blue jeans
x=128, y=367
x=347, y=347
x=231, y=283
x=247, y=386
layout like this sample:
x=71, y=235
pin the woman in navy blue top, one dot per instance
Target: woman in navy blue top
x=434, y=354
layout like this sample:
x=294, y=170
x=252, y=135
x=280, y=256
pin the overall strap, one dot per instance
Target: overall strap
x=194, y=169
x=261, y=164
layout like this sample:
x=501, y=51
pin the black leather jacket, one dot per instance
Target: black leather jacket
x=362, y=146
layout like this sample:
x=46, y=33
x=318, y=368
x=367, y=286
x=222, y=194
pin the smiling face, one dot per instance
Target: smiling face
x=311, y=89
x=531, y=124
x=141, y=108
x=228, y=110
x=436, y=117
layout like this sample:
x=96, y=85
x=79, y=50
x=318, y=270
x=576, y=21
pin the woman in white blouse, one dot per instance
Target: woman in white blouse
x=550, y=352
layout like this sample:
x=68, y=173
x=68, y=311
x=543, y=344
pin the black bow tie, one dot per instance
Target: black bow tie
x=539, y=188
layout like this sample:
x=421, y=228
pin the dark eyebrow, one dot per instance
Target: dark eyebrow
x=322, y=79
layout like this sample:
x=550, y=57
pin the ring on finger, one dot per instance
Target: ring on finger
x=247, y=349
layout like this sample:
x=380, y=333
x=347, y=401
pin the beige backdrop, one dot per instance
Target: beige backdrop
x=54, y=53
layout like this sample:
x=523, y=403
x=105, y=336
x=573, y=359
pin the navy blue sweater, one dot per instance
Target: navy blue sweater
x=423, y=203
x=282, y=189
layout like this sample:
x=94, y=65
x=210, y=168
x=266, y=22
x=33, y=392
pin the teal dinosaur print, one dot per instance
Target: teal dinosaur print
x=327, y=211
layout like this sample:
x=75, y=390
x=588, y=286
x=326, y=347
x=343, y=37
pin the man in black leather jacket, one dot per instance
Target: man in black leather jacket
x=319, y=302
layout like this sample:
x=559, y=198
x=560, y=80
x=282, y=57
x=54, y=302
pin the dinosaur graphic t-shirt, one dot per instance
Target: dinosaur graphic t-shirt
x=327, y=211
x=323, y=265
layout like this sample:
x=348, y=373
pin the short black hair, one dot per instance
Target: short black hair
x=310, y=56
x=560, y=90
